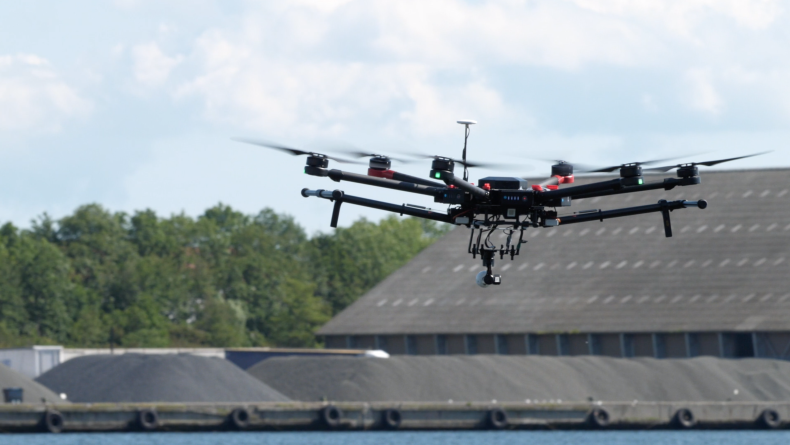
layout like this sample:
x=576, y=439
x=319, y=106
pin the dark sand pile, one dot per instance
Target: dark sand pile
x=155, y=378
x=32, y=391
x=518, y=378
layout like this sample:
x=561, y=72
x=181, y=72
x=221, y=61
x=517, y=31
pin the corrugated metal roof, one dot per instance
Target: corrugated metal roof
x=726, y=268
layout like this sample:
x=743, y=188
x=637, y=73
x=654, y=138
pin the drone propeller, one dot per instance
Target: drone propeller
x=363, y=154
x=560, y=168
x=576, y=166
x=616, y=167
x=291, y=150
x=466, y=163
x=706, y=163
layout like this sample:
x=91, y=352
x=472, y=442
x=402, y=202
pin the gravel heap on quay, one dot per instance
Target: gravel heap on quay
x=32, y=392
x=155, y=378
x=522, y=378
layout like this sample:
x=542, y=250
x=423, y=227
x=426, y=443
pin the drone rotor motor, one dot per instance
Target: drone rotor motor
x=443, y=164
x=380, y=163
x=631, y=171
x=562, y=169
x=317, y=161
x=316, y=165
x=688, y=171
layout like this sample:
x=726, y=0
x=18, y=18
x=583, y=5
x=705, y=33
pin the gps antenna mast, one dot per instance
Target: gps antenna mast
x=466, y=123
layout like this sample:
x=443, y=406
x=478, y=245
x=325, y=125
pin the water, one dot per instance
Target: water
x=410, y=438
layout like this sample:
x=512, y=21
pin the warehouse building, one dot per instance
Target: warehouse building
x=719, y=287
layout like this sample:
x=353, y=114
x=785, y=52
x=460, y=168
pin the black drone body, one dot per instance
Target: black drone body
x=499, y=203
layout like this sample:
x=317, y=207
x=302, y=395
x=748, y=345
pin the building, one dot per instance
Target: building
x=720, y=286
x=32, y=361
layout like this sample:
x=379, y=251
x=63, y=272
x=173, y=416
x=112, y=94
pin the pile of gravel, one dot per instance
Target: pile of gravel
x=521, y=378
x=155, y=378
x=32, y=392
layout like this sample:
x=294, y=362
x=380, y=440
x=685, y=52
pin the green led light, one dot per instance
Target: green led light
x=305, y=170
x=437, y=175
x=640, y=182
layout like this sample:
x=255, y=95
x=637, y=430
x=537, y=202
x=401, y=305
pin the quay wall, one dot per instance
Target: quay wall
x=392, y=415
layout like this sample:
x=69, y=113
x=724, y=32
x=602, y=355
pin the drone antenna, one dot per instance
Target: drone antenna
x=466, y=123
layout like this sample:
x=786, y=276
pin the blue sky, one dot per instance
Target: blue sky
x=132, y=104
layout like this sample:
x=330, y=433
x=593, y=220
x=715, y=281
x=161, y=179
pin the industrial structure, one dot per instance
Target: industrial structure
x=719, y=287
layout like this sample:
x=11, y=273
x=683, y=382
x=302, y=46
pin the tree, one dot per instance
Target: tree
x=351, y=261
x=47, y=294
x=223, y=279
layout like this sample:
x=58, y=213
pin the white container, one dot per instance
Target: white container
x=32, y=361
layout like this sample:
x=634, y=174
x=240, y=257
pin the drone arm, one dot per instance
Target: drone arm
x=390, y=174
x=339, y=175
x=574, y=192
x=662, y=206
x=339, y=197
x=450, y=179
x=668, y=184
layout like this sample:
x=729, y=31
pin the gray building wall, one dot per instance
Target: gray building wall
x=659, y=345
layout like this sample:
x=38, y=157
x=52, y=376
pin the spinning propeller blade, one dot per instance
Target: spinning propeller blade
x=358, y=153
x=617, y=167
x=468, y=163
x=576, y=166
x=291, y=150
x=706, y=163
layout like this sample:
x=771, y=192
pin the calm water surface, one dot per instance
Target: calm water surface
x=411, y=438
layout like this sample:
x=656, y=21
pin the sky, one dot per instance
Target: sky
x=132, y=104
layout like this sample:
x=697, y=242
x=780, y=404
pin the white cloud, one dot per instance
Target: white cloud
x=316, y=66
x=241, y=84
x=683, y=15
x=151, y=66
x=704, y=96
x=33, y=96
x=553, y=34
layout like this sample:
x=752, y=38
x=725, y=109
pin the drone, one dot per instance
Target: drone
x=509, y=204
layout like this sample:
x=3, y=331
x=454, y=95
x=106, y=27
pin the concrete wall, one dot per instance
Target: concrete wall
x=675, y=345
x=396, y=344
x=772, y=344
x=659, y=345
x=456, y=344
x=364, y=342
x=642, y=345
x=578, y=344
x=610, y=345
x=516, y=344
x=547, y=344
x=486, y=344
x=708, y=344
x=426, y=344
x=335, y=341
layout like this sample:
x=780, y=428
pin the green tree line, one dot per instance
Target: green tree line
x=95, y=278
